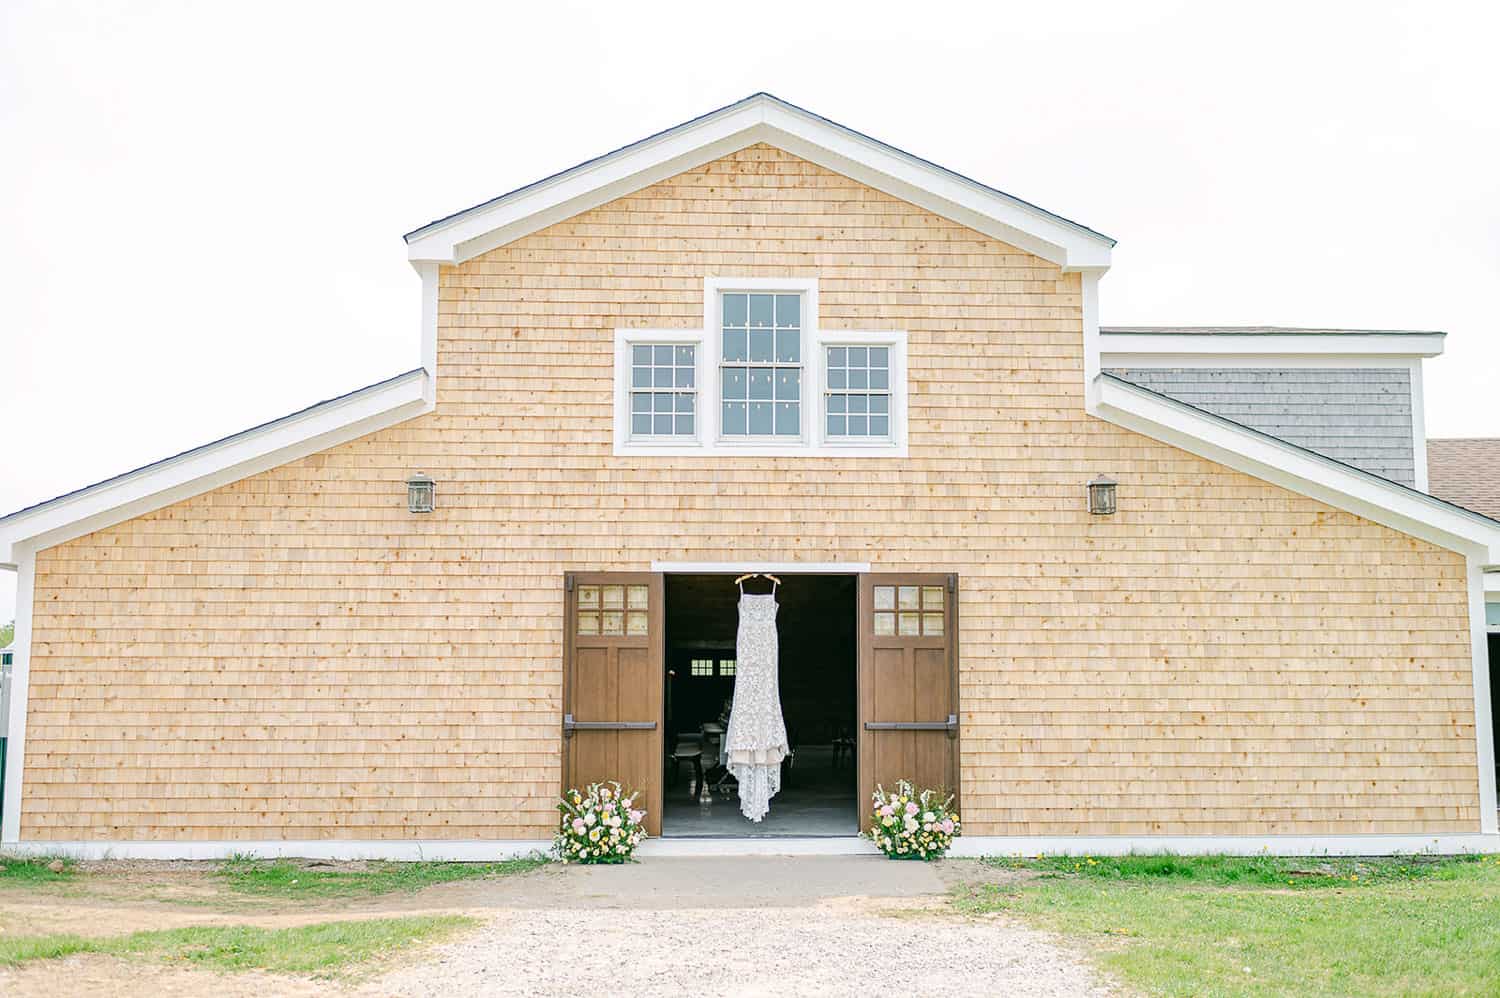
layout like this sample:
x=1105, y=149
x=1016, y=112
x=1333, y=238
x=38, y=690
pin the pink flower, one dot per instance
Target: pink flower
x=636, y=816
x=947, y=826
x=912, y=808
x=579, y=826
x=887, y=811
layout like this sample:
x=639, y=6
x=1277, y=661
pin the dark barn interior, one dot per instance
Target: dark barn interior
x=816, y=642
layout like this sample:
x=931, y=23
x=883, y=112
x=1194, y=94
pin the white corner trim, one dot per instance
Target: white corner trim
x=213, y=465
x=1418, y=426
x=1091, y=335
x=1484, y=721
x=760, y=118
x=1454, y=843
x=20, y=680
x=1378, y=346
x=397, y=850
x=1280, y=463
x=812, y=441
x=429, y=324
x=774, y=567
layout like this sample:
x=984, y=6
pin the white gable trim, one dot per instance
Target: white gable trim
x=213, y=465
x=1241, y=346
x=1294, y=468
x=761, y=118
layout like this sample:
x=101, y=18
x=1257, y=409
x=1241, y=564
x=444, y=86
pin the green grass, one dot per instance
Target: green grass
x=1216, y=925
x=322, y=949
x=284, y=879
x=19, y=872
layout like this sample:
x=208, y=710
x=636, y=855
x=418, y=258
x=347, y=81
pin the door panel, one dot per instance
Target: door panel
x=612, y=684
x=908, y=682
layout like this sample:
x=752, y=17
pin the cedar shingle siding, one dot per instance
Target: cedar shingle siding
x=1361, y=416
x=295, y=655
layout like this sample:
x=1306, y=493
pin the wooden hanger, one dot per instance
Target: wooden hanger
x=757, y=575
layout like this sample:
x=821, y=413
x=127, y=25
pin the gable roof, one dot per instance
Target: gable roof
x=239, y=455
x=759, y=118
x=1466, y=471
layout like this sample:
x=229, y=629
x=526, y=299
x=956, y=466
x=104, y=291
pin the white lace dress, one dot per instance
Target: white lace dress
x=755, y=742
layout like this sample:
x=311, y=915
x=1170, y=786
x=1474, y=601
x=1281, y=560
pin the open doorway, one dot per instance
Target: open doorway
x=817, y=642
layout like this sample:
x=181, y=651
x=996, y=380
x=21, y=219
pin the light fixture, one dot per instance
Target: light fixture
x=420, y=491
x=1102, y=496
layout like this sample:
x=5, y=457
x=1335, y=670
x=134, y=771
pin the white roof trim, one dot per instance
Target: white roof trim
x=193, y=472
x=760, y=118
x=1230, y=345
x=1302, y=471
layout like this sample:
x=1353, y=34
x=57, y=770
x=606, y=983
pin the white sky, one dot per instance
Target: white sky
x=201, y=204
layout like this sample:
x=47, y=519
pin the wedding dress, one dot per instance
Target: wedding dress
x=755, y=742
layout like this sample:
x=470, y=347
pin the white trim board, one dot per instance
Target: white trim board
x=774, y=567
x=1372, y=344
x=759, y=118
x=400, y=850
x=20, y=676
x=841, y=845
x=208, y=467
x=1450, y=843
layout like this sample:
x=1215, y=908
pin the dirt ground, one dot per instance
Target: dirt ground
x=754, y=925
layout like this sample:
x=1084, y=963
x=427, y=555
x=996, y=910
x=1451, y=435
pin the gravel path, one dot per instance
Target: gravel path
x=838, y=948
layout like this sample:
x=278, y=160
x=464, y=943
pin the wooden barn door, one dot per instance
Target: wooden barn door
x=612, y=684
x=908, y=682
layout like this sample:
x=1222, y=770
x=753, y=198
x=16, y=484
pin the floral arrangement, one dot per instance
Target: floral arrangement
x=908, y=824
x=599, y=825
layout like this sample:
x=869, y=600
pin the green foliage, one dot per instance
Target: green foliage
x=18, y=872
x=286, y=879
x=314, y=949
x=1262, y=926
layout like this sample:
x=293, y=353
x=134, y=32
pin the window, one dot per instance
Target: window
x=703, y=667
x=726, y=666
x=858, y=399
x=909, y=611
x=663, y=390
x=760, y=378
x=760, y=367
x=612, y=610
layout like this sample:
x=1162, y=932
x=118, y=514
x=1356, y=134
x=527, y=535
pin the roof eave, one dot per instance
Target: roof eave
x=760, y=118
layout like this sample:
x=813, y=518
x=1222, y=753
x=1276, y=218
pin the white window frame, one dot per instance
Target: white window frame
x=813, y=440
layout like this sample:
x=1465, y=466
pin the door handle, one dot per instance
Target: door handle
x=950, y=725
x=570, y=725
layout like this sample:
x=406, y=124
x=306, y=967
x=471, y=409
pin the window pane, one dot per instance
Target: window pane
x=906, y=597
x=734, y=418
x=685, y=377
x=880, y=426
x=857, y=356
x=837, y=403
x=640, y=355
x=885, y=623
x=636, y=597
x=736, y=384
x=640, y=423
x=735, y=310
x=837, y=356
x=788, y=418
x=640, y=401
x=788, y=384
x=640, y=377
x=880, y=403
x=761, y=344
x=838, y=378
x=663, y=355
x=788, y=310
x=662, y=401
x=788, y=346
x=858, y=403
x=838, y=426
x=664, y=377
x=734, y=344
x=685, y=356
x=760, y=382
x=858, y=377
x=661, y=425
x=885, y=597
x=880, y=356
x=685, y=425
x=880, y=377
x=760, y=418
x=858, y=426
x=685, y=402
x=761, y=310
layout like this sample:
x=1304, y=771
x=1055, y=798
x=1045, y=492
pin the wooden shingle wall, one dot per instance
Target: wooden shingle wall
x=296, y=656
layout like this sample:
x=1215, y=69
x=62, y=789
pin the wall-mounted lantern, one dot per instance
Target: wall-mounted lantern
x=420, y=491
x=1102, y=496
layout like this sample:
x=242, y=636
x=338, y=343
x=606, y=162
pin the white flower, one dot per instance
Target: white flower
x=589, y=819
x=928, y=816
